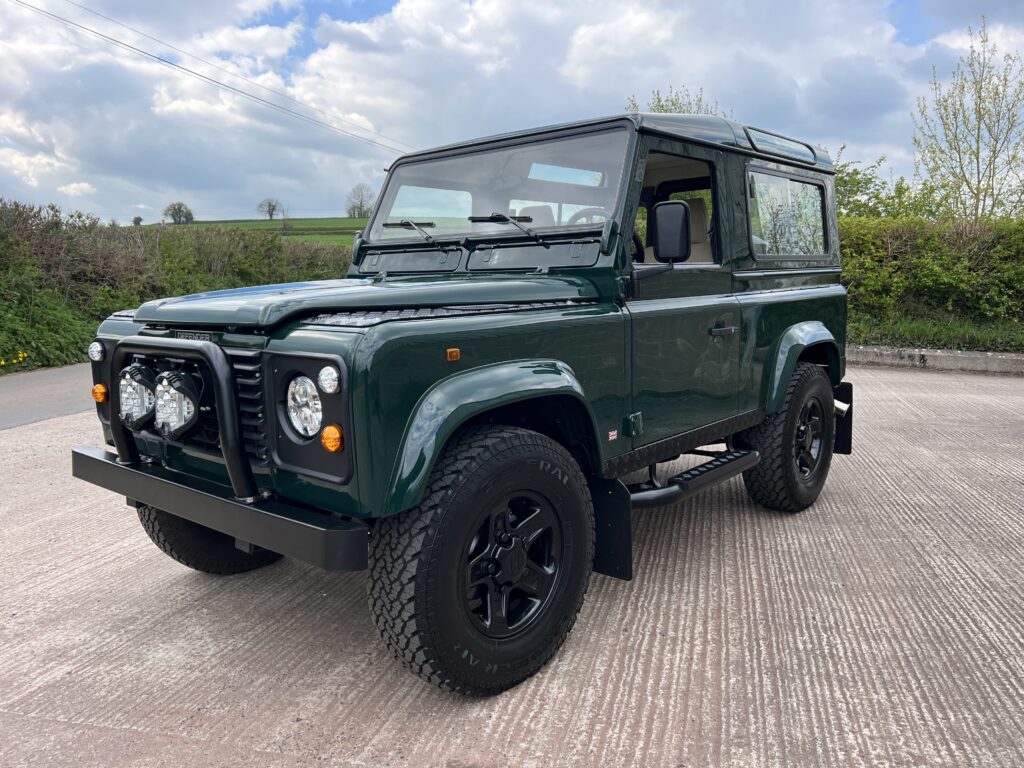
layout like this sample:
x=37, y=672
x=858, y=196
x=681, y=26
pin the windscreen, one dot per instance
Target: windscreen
x=545, y=185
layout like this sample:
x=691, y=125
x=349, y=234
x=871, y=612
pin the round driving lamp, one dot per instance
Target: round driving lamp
x=177, y=408
x=96, y=352
x=305, y=411
x=138, y=396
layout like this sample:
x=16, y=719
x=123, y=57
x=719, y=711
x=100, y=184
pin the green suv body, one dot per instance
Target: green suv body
x=529, y=321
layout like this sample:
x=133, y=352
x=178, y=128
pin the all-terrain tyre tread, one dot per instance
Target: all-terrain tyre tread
x=198, y=547
x=767, y=482
x=397, y=549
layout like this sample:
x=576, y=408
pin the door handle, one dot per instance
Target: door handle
x=722, y=330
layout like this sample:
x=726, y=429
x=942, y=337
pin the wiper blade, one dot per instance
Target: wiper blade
x=501, y=218
x=417, y=226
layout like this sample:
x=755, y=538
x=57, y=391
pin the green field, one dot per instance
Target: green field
x=336, y=229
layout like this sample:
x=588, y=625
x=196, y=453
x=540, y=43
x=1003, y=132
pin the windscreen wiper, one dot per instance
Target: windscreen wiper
x=501, y=218
x=418, y=226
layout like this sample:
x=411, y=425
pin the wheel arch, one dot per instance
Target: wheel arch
x=542, y=395
x=806, y=342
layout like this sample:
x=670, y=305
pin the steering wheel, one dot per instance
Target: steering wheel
x=638, y=245
x=589, y=214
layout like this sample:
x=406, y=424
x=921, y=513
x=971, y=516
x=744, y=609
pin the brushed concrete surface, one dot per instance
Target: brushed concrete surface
x=884, y=626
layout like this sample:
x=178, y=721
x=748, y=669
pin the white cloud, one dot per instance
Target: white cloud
x=27, y=167
x=425, y=72
x=77, y=189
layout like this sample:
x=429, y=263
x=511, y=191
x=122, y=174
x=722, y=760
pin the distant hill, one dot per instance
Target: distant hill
x=337, y=230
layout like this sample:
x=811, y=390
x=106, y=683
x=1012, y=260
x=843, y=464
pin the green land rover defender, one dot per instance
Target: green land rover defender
x=530, y=321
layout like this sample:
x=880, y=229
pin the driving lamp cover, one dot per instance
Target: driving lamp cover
x=138, y=397
x=176, y=404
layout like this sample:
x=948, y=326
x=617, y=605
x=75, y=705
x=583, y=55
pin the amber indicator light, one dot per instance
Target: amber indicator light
x=99, y=393
x=453, y=354
x=331, y=438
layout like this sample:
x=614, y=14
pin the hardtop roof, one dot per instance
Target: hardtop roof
x=706, y=129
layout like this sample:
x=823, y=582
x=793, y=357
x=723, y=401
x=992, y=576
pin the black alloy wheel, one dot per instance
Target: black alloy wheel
x=808, y=439
x=512, y=564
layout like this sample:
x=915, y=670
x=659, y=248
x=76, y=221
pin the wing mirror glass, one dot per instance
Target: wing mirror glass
x=671, y=231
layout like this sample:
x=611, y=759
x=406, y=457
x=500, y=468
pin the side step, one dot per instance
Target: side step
x=719, y=469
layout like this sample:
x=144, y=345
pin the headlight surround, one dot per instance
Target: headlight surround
x=177, y=404
x=137, y=395
x=305, y=411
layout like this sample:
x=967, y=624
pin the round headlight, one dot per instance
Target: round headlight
x=304, y=409
x=328, y=379
x=96, y=352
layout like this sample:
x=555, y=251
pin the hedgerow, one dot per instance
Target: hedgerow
x=61, y=274
x=912, y=282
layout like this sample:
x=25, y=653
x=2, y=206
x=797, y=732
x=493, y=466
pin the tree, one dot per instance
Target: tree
x=859, y=189
x=862, y=191
x=969, y=134
x=360, y=201
x=268, y=207
x=680, y=102
x=137, y=221
x=179, y=213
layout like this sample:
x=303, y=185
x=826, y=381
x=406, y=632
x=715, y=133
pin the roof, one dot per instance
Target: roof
x=706, y=129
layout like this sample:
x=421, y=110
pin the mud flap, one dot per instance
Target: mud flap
x=613, y=529
x=844, y=425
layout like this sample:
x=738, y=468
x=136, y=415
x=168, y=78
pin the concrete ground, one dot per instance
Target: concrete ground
x=884, y=626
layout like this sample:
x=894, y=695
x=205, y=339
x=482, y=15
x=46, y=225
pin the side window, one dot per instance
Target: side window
x=675, y=177
x=787, y=217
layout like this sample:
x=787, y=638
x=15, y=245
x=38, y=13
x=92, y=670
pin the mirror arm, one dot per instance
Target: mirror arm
x=640, y=274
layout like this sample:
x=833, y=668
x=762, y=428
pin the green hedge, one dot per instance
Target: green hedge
x=61, y=274
x=914, y=282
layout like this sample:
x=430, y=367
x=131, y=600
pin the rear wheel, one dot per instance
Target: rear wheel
x=199, y=547
x=475, y=589
x=795, y=444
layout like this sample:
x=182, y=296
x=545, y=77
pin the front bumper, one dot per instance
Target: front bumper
x=331, y=543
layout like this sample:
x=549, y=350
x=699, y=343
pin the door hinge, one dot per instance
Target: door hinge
x=634, y=424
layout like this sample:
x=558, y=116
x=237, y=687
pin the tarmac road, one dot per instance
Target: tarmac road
x=884, y=626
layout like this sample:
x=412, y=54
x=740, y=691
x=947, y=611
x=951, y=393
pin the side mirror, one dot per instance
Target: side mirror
x=671, y=231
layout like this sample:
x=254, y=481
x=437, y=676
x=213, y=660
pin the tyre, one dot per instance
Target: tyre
x=199, y=547
x=795, y=444
x=476, y=588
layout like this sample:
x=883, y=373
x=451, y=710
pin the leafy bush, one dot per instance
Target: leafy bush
x=921, y=283
x=61, y=274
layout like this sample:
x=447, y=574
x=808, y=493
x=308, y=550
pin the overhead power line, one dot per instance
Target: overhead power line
x=200, y=76
x=227, y=71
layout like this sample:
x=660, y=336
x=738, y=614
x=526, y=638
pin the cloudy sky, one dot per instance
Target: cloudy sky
x=89, y=125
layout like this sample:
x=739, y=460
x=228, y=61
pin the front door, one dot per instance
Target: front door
x=685, y=322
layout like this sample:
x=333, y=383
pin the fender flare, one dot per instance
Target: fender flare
x=790, y=346
x=451, y=402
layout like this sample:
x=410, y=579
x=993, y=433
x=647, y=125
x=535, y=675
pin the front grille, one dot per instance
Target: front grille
x=248, y=366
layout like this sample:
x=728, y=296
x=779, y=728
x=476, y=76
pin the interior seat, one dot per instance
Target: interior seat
x=700, y=242
x=541, y=215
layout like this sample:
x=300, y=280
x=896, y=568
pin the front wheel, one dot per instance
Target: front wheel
x=199, y=547
x=795, y=444
x=475, y=589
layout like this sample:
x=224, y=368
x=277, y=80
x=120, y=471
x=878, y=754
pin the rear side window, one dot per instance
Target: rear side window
x=787, y=217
